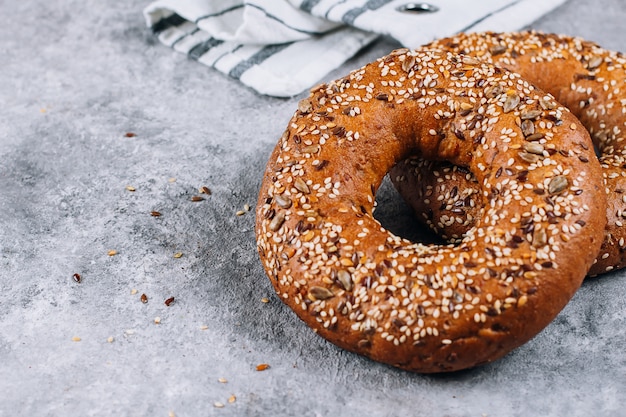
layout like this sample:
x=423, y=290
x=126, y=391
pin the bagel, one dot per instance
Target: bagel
x=428, y=308
x=582, y=76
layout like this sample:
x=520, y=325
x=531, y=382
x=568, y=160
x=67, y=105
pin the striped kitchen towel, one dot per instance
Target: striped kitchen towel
x=283, y=47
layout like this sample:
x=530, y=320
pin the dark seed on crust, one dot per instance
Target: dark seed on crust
x=459, y=134
x=578, y=77
x=321, y=165
x=339, y=131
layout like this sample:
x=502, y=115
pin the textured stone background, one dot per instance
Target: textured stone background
x=76, y=76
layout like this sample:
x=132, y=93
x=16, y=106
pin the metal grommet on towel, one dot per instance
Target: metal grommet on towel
x=417, y=8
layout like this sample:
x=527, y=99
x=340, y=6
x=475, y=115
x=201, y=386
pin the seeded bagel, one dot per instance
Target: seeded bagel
x=584, y=77
x=428, y=308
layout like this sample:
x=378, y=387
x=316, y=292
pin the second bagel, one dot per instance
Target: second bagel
x=589, y=80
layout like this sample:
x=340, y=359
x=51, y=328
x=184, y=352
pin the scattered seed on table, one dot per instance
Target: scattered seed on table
x=218, y=404
x=232, y=399
x=240, y=213
x=204, y=327
x=76, y=339
x=262, y=367
x=169, y=301
x=112, y=252
x=197, y=198
x=204, y=190
x=246, y=207
x=77, y=278
x=110, y=339
x=265, y=300
x=157, y=320
x=222, y=380
x=130, y=134
x=133, y=291
x=144, y=298
x=130, y=188
x=178, y=255
x=155, y=214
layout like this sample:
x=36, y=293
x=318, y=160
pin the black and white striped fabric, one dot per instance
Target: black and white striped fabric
x=283, y=47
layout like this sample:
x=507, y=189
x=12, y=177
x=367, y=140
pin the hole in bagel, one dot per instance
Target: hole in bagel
x=397, y=217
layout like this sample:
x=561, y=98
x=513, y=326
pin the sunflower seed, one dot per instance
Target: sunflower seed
x=310, y=149
x=493, y=91
x=282, y=201
x=305, y=106
x=470, y=61
x=534, y=147
x=530, y=114
x=528, y=128
x=301, y=186
x=594, y=62
x=535, y=136
x=528, y=157
x=511, y=103
x=345, y=279
x=540, y=238
x=320, y=293
x=547, y=104
x=408, y=63
x=557, y=184
x=277, y=221
x=497, y=50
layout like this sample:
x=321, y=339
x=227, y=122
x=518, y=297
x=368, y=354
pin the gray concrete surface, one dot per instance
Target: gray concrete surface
x=76, y=77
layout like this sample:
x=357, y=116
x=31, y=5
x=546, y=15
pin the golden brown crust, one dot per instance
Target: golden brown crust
x=428, y=308
x=583, y=77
